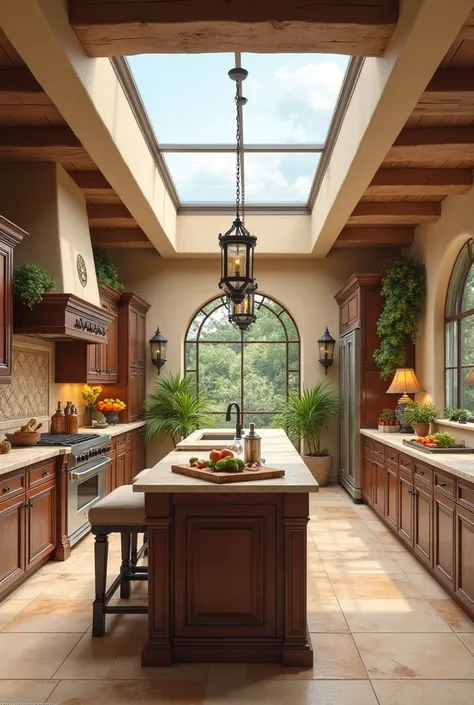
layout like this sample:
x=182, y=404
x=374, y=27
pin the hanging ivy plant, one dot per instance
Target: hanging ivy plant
x=403, y=287
x=30, y=282
x=105, y=269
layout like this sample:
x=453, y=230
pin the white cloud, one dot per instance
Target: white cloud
x=317, y=83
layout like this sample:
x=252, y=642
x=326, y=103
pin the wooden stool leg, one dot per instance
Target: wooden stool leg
x=134, y=558
x=145, y=540
x=125, y=567
x=101, y=549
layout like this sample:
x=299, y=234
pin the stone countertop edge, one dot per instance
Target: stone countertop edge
x=461, y=465
x=23, y=456
x=278, y=452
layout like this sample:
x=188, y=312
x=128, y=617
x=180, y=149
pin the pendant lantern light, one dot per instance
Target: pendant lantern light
x=243, y=314
x=237, y=244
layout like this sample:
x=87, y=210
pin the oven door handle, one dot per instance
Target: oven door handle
x=91, y=471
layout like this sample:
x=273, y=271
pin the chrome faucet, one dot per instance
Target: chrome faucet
x=238, y=425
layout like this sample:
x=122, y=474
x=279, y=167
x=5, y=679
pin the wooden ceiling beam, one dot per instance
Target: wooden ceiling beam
x=114, y=27
x=467, y=32
x=50, y=144
x=124, y=238
x=112, y=215
x=430, y=143
x=93, y=183
x=375, y=237
x=19, y=87
x=420, y=182
x=395, y=213
x=448, y=93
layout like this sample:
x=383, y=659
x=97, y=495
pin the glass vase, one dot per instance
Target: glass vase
x=89, y=414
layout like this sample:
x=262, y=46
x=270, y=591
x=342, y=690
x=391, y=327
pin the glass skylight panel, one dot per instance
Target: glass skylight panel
x=189, y=98
x=291, y=97
x=204, y=178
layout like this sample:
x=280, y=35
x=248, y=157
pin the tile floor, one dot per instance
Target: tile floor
x=383, y=632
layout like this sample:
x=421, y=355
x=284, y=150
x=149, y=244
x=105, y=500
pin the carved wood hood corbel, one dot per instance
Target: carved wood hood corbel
x=63, y=317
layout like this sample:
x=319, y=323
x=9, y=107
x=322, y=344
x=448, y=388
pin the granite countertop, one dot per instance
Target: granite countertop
x=19, y=458
x=461, y=465
x=277, y=450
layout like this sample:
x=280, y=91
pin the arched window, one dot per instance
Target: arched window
x=460, y=332
x=255, y=368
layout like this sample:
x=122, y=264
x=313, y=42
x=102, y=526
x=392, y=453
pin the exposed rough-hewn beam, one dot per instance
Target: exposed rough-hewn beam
x=93, y=183
x=124, y=238
x=467, y=32
x=420, y=182
x=114, y=27
x=448, y=93
x=430, y=143
x=19, y=87
x=40, y=144
x=113, y=215
x=375, y=237
x=395, y=213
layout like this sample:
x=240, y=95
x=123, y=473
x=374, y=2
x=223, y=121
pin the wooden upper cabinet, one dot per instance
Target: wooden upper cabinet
x=132, y=338
x=352, y=300
x=10, y=236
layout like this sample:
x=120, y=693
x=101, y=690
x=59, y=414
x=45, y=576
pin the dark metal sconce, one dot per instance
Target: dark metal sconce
x=326, y=350
x=158, y=350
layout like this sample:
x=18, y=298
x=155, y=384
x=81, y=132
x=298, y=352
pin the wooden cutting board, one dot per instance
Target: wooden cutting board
x=223, y=478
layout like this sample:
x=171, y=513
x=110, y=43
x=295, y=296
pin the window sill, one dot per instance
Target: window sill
x=469, y=426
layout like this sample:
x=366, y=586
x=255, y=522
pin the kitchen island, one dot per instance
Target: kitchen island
x=227, y=563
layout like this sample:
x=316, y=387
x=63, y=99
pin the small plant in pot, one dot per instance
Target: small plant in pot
x=306, y=417
x=30, y=282
x=420, y=416
x=457, y=415
x=388, y=422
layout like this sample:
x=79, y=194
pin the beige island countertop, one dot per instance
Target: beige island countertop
x=277, y=450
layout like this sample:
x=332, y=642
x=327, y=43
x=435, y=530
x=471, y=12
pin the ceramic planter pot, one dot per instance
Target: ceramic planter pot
x=421, y=429
x=320, y=467
x=112, y=417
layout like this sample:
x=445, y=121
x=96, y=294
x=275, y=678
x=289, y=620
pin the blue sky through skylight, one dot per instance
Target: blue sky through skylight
x=189, y=100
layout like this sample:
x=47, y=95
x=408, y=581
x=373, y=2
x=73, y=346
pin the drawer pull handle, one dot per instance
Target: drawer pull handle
x=412, y=492
x=6, y=489
x=366, y=445
x=419, y=472
x=45, y=473
x=390, y=457
x=371, y=462
x=442, y=484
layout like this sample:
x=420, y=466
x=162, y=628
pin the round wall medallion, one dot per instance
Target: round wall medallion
x=81, y=270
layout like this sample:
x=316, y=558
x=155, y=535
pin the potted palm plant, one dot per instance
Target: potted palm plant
x=175, y=408
x=306, y=417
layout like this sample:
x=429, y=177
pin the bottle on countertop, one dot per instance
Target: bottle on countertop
x=252, y=446
x=58, y=420
x=72, y=420
x=67, y=408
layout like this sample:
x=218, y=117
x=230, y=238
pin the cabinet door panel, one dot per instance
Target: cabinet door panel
x=120, y=468
x=6, y=323
x=391, y=502
x=465, y=556
x=443, y=538
x=41, y=523
x=137, y=394
x=379, y=489
x=423, y=515
x=405, y=508
x=137, y=452
x=367, y=479
x=12, y=539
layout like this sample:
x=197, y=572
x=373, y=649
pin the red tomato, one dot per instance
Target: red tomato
x=215, y=455
x=226, y=453
x=200, y=464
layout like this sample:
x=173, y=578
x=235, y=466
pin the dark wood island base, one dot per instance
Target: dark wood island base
x=227, y=578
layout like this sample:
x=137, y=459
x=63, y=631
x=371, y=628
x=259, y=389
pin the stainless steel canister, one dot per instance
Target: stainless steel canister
x=252, y=446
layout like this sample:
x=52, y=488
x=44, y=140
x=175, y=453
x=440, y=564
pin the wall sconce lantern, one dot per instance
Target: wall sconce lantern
x=326, y=350
x=158, y=350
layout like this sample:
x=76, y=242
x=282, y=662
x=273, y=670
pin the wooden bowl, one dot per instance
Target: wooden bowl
x=29, y=438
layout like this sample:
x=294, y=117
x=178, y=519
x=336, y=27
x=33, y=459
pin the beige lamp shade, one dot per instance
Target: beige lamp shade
x=405, y=382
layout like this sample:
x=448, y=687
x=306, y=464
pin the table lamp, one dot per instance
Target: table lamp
x=404, y=382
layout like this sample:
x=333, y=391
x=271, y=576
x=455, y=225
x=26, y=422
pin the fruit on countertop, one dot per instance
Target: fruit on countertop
x=228, y=464
x=193, y=460
x=226, y=453
x=437, y=440
x=215, y=455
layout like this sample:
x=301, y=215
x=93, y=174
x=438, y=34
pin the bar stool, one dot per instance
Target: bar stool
x=123, y=512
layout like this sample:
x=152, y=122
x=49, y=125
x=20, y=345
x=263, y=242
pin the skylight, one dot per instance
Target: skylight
x=189, y=102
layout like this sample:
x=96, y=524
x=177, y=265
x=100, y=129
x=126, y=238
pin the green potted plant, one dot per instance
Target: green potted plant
x=306, y=417
x=420, y=416
x=457, y=415
x=105, y=269
x=388, y=421
x=30, y=282
x=176, y=409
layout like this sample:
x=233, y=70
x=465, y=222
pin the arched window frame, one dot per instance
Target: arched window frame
x=456, y=369
x=261, y=301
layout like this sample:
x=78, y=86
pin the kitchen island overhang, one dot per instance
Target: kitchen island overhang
x=227, y=564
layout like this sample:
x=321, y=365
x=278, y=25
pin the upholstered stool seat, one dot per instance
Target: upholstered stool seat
x=122, y=511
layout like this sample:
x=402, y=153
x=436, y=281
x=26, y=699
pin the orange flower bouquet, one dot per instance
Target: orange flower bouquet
x=111, y=409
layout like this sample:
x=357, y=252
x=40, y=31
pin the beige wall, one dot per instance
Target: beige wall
x=176, y=289
x=438, y=245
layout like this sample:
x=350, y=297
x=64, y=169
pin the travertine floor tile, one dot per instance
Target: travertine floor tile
x=290, y=692
x=33, y=587
x=336, y=656
x=70, y=586
x=341, y=512
x=346, y=541
x=395, y=615
x=326, y=616
x=85, y=564
x=53, y=616
x=390, y=542
x=373, y=586
x=9, y=609
x=359, y=562
x=421, y=656
x=407, y=562
x=468, y=640
x=318, y=586
x=453, y=615
x=151, y=692
x=34, y=655
x=314, y=566
x=424, y=692
x=376, y=526
x=428, y=586
x=94, y=657
x=317, y=526
x=129, y=667
x=24, y=691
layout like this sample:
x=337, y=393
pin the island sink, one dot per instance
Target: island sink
x=217, y=437
x=206, y=439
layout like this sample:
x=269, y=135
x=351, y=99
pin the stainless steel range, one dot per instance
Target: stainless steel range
x=86, y=464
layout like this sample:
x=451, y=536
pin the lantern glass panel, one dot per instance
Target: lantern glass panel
x=236, y=260
x=326, y=350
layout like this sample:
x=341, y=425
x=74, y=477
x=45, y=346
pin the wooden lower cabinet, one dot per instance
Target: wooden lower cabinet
x=12, y=542
x=40, y=523
x=127, y=455
x=444, y=547
x=120, y=468
x=432, y=513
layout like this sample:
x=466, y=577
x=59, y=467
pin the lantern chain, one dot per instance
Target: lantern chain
x=238, y=153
